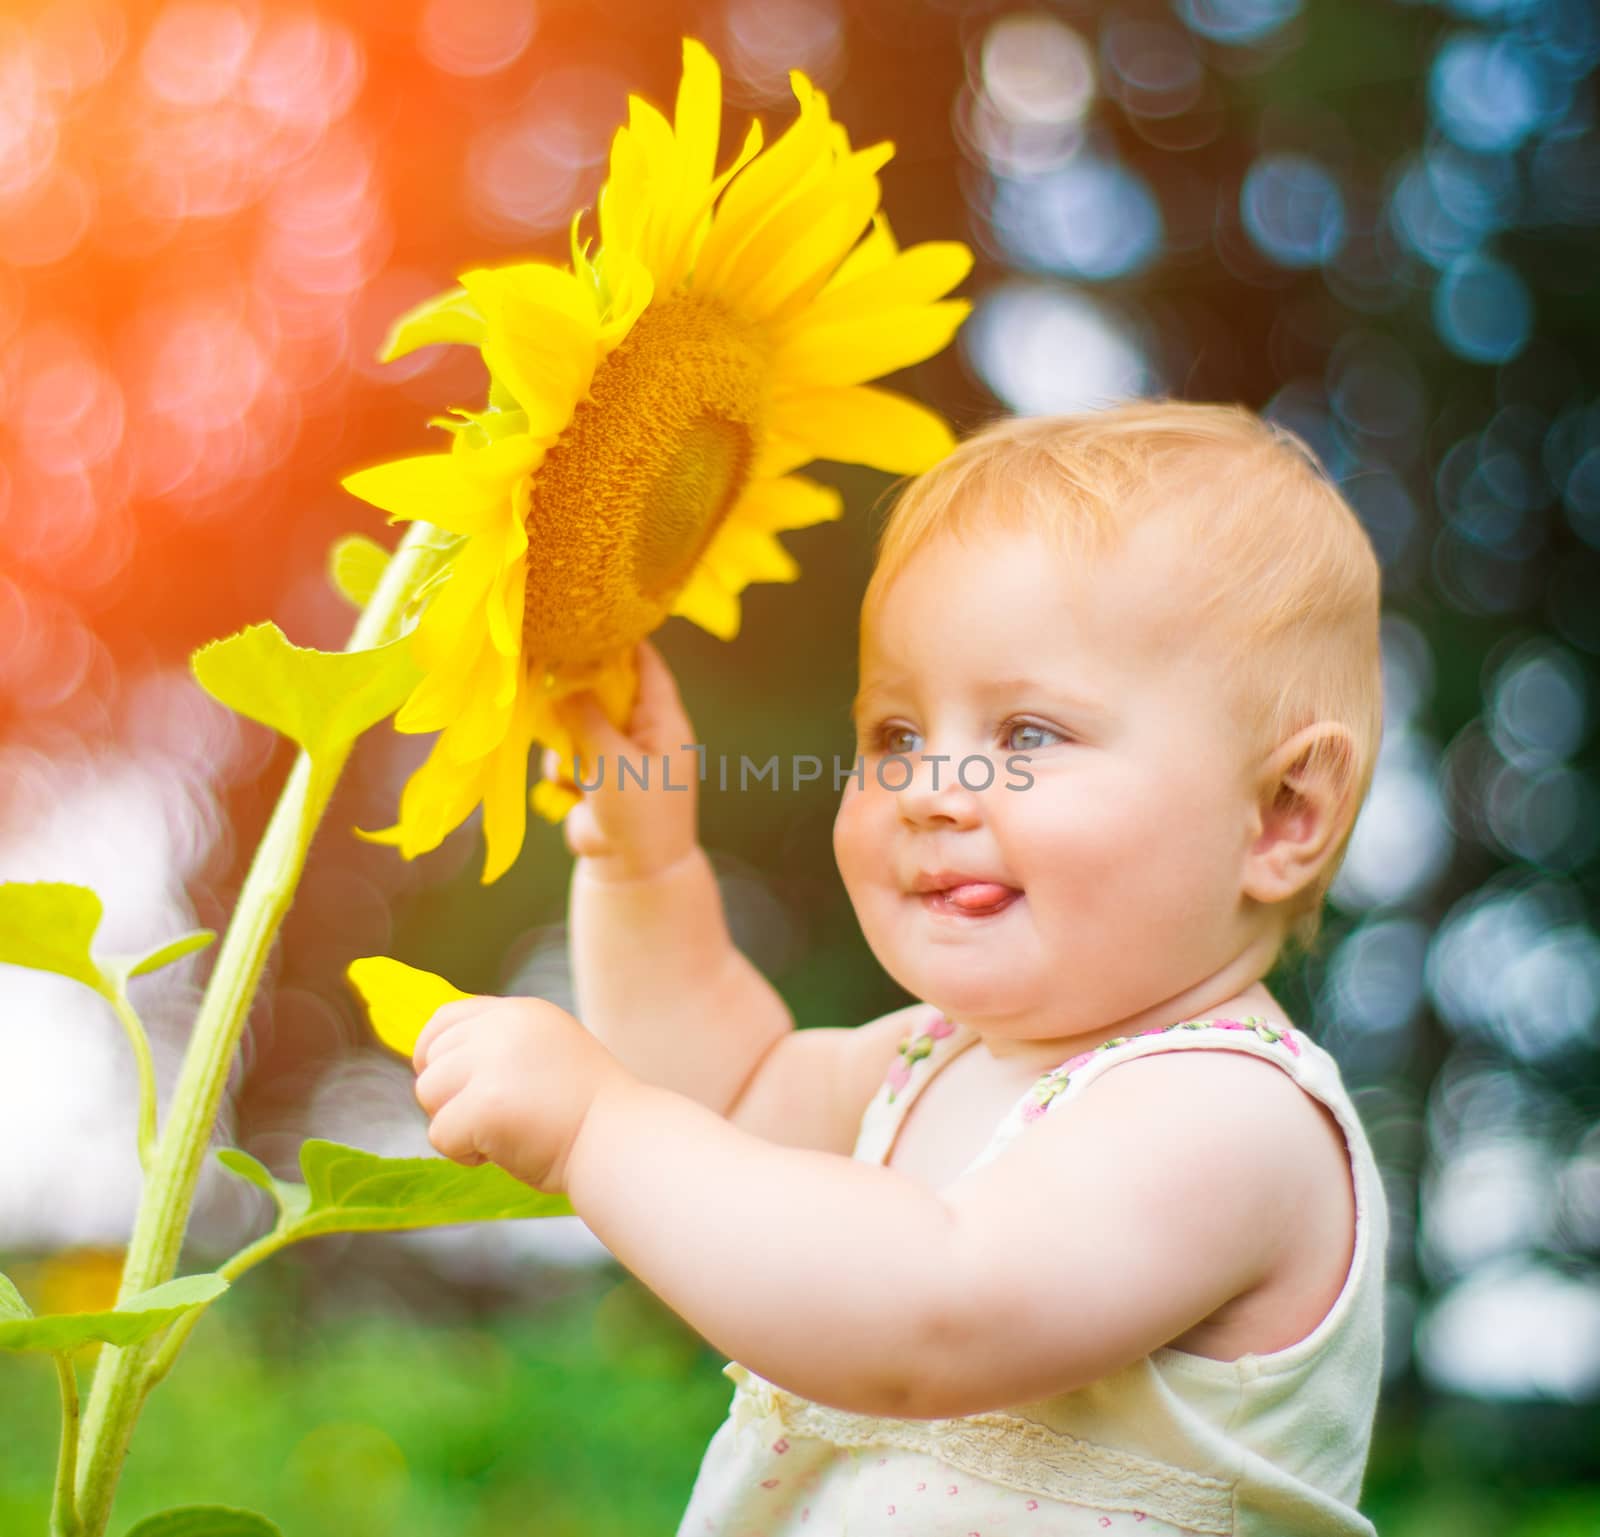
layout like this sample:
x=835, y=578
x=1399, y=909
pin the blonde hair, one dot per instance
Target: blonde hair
x=1287, y=582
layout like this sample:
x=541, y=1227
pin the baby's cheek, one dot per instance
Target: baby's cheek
x=864, y=855
x=855, y=839
x=1074, y=857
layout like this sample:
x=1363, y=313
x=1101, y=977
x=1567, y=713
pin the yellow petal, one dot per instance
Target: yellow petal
x=616, y=686
x=913, y=277
x=623, y=201
x=747, y=152
x=794, y=162
x=862, y=425
x=681, y=177
x=877, y=248
x=868, y=346
x=613, y=682
x=451, y=631
x=434, y=702
x=447, y=317
x=785, y=264
x=697, y=119
x=487, y=709
x=553, y=801
x=505, y=798
x=792, y=502
x=542, y=338
x=662, y=176
x=582, y=269
x=462, y=491
x=781, y=452
x=436, y=800
x=676, y=263
x=740, y=554
x=706, y=602
x=497, y=468
x=430, y=488
x=507, y=599
x=400, y=999
x=629, y=288
x=390, y=836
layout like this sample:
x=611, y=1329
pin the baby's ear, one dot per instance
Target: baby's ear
x=1305, y=789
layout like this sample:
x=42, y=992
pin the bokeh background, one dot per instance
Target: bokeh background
x=1374, y=220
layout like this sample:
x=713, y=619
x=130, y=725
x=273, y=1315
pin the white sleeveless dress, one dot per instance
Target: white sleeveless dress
x=1174, y=1445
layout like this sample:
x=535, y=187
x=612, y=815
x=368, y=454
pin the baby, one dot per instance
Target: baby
x=1089, y=1238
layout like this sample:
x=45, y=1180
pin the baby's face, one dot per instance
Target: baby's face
x=1109, y=883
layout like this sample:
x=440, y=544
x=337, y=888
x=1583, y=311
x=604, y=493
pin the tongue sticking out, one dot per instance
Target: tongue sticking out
x=978, y=896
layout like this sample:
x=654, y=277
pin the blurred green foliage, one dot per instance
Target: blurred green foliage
x=585, y=1414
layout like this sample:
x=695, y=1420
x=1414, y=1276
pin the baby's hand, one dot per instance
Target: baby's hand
x=509, y=1081
x=627, y=830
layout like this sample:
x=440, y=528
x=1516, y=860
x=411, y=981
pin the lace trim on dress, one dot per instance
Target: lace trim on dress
x=1006, y=1449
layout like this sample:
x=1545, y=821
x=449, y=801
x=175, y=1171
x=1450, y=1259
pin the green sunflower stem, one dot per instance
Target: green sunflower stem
x=124, y=1376
x=145, y=1065
x=63, y=1514
x=268, y=1244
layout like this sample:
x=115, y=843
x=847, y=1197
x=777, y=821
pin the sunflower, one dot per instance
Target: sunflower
x=647, y=407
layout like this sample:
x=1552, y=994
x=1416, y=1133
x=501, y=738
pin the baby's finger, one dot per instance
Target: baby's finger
x=451, y=1132
x=446, y=1042
x=590, y=729
x=441, y=1081
x=581, y=831
x=444, y=1018
x=551, y=767
x=659, y=719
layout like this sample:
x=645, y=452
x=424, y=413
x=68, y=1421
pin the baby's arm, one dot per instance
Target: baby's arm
x=1176, y=1184
x=658, y=978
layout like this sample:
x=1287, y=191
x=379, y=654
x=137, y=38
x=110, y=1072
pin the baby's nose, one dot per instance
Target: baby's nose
x=934, y=788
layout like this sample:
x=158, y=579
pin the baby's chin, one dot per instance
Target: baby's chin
x=969, y=990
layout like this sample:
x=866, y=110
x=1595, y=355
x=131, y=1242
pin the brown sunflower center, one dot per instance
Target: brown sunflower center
x=626, y=502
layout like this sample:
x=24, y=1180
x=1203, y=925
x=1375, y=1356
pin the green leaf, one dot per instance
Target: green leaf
x=355, y=1191
x=323, y=700
x=11, y=1303
x=349, y=1190
x=126, y=966
x=205, y=1521
x=356, y=564
x=173, y=950
x=292, y=1198
x=49, y=926
x=134, y=1320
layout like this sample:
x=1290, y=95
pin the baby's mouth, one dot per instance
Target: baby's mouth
x=971, y=899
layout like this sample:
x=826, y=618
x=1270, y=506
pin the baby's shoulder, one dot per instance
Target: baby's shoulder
x=1301, y=1153
x=1170, y=1073
x=1176, y=1087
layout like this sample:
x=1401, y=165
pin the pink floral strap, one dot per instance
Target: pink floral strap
x=1054, y=1083
x=912, y=1050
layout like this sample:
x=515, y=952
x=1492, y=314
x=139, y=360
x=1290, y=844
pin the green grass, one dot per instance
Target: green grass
x=587, y=1417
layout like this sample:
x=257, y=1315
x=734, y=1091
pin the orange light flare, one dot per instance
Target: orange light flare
x=211, y=211
x=190, y=214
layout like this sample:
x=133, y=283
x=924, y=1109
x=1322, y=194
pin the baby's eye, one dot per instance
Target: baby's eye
x=1022, y=729
x=892, y=738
